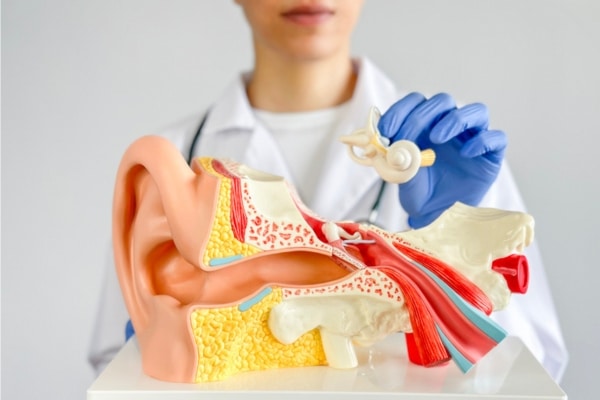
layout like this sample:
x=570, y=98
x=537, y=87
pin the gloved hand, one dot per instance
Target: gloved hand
x=468, y=155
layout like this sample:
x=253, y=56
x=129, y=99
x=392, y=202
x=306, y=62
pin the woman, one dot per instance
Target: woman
x=285, y=116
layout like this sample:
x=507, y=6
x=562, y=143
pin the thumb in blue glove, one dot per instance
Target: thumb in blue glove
x=468, y=155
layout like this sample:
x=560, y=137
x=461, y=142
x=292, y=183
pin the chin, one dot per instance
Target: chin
x=315, y=51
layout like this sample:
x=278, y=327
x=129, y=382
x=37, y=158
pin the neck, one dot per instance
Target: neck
x=283, y=85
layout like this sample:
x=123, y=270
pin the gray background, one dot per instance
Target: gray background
x=82, y=79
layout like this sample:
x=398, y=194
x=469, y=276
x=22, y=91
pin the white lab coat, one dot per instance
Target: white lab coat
x=346, y=191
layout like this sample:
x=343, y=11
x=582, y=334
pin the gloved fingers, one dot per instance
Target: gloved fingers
x=425, y=117
x=491, y=144
x=461, y=123
x=394, y=117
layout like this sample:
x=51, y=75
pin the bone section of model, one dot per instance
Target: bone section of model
x=470, y=238
x=271, y=197
x=342, y=320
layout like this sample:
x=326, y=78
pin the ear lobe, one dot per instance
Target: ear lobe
x=158, y=228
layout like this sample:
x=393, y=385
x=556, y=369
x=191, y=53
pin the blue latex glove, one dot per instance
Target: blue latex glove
x=129, y=331
x=468, y=155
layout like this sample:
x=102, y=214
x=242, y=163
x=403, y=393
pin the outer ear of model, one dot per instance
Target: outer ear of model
x=224, y=270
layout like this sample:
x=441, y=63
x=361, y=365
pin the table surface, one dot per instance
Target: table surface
x=508, y=372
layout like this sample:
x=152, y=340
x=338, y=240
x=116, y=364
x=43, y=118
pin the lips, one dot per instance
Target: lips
x=308, y=15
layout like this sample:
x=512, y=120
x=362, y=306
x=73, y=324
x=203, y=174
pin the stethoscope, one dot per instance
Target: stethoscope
x=373, y=213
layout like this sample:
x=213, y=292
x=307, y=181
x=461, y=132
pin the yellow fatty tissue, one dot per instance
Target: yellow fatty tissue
x=230, y=341
x=222, y=243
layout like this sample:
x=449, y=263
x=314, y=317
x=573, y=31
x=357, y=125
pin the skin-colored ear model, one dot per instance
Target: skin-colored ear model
x=224, y=270
x=201, y=263
x=156, y=249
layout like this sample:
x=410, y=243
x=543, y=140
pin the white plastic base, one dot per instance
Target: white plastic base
x=509, y=372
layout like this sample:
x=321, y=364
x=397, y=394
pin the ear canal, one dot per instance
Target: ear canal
x=160, y=213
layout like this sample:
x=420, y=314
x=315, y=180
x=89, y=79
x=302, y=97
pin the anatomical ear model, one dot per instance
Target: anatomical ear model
x=396, y=163
x=224, y=270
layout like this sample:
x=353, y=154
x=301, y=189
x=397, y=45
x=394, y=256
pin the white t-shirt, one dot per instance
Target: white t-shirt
x=303, y=138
